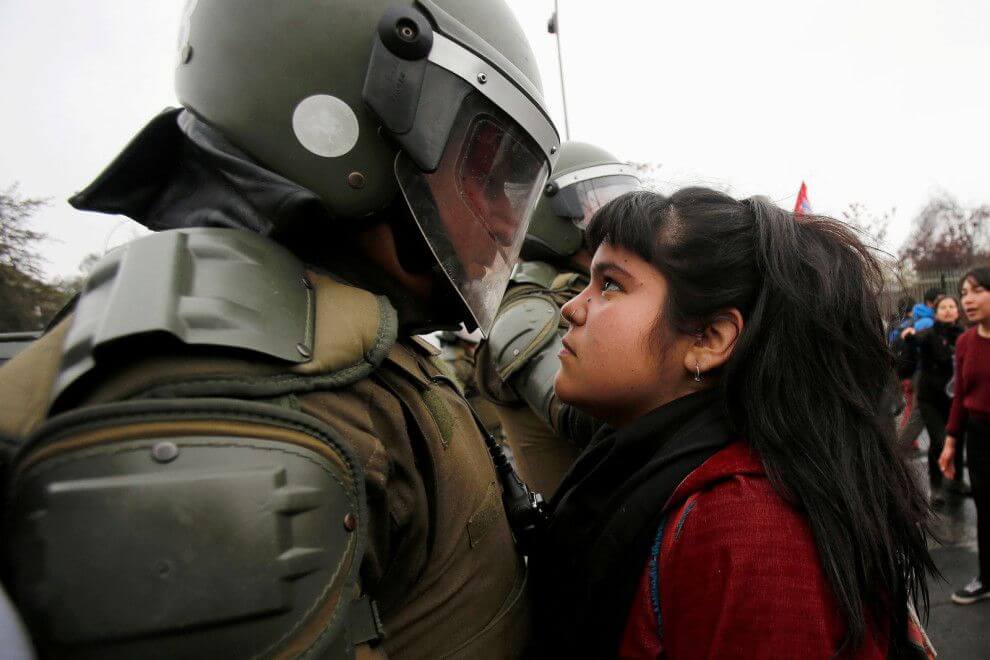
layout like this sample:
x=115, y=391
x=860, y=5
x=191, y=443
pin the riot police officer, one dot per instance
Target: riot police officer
x=234, y=447
x=516, y=367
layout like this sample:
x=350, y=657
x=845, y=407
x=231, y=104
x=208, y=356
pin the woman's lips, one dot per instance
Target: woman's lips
x=567, y=350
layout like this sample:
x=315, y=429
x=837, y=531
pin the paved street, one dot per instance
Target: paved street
x=956, y=631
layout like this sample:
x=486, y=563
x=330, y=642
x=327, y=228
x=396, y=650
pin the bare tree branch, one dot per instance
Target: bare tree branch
x=18, y=242
x=946, y=235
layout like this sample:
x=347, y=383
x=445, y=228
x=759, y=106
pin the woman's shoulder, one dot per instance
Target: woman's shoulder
x=738, y=459
x=728, y=508
x=735, y=554
x=742, y=505
x=733, y=476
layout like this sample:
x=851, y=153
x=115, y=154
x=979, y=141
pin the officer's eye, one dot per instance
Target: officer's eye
x=609, y=285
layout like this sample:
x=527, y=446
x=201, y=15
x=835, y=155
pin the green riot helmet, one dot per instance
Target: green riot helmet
x=584, y=179
x=361, y=100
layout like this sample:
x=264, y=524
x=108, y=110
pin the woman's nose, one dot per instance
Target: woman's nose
x=574, y=309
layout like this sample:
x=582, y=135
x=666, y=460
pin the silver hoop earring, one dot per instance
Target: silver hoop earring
x=697, y=372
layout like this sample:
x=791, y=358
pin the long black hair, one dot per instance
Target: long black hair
x=807, y=380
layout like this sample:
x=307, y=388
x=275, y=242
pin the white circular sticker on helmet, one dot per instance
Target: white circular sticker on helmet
x=325, y=125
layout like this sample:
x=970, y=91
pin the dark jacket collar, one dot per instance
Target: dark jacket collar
x=179, y=172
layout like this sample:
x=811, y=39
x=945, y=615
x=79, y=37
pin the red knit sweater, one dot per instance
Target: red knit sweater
x=972, y=395
x=736, y=575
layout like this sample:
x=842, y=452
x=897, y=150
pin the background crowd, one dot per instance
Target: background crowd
x=941, y=357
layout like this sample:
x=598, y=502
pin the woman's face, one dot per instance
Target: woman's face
x=975, y=301
x=947, y=312
x=614, y=365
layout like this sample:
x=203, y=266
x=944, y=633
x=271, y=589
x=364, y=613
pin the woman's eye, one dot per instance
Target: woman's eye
x=609, y=285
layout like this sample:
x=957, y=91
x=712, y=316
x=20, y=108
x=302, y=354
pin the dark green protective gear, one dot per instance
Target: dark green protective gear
x=358, y=100
x=584, y=179
x=226, y=503
x=202, y=287
x=517, y=366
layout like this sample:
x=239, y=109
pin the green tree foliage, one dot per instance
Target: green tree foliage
x=27, y=302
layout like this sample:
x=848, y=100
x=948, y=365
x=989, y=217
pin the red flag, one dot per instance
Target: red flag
x=802, y=206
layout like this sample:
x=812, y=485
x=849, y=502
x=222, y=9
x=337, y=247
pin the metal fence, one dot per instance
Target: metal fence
x=944, y=281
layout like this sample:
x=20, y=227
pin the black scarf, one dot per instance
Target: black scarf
x=604, y=518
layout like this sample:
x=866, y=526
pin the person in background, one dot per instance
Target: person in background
x=935, y=348
x=970, y=415
x=517, y=365
x=923, y=314
x=911, y=422
x=904, y=362
x=745, y=498
x=903, y=320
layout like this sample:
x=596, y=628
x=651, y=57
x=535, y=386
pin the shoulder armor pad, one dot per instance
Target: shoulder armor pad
x=539, y=273
x=523, y=327
x=238, y=530
x=201, y=286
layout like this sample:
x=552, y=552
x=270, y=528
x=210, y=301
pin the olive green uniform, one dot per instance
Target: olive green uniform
x=519, y=380
x=459, y=356
x=439, y=560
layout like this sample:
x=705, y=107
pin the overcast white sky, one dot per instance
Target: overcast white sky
x=876, y=101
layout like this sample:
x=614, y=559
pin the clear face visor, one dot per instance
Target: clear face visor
x=579, y=201
x=474, y=210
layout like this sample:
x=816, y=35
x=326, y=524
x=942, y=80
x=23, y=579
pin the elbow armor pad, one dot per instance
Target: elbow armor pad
x=521, y=351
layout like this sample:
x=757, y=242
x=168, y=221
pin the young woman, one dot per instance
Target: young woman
x=935, y=348
x=744, y=498
x=970, y=414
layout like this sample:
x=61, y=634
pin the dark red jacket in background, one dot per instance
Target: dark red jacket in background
x=738, y=575
x=972, y=391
